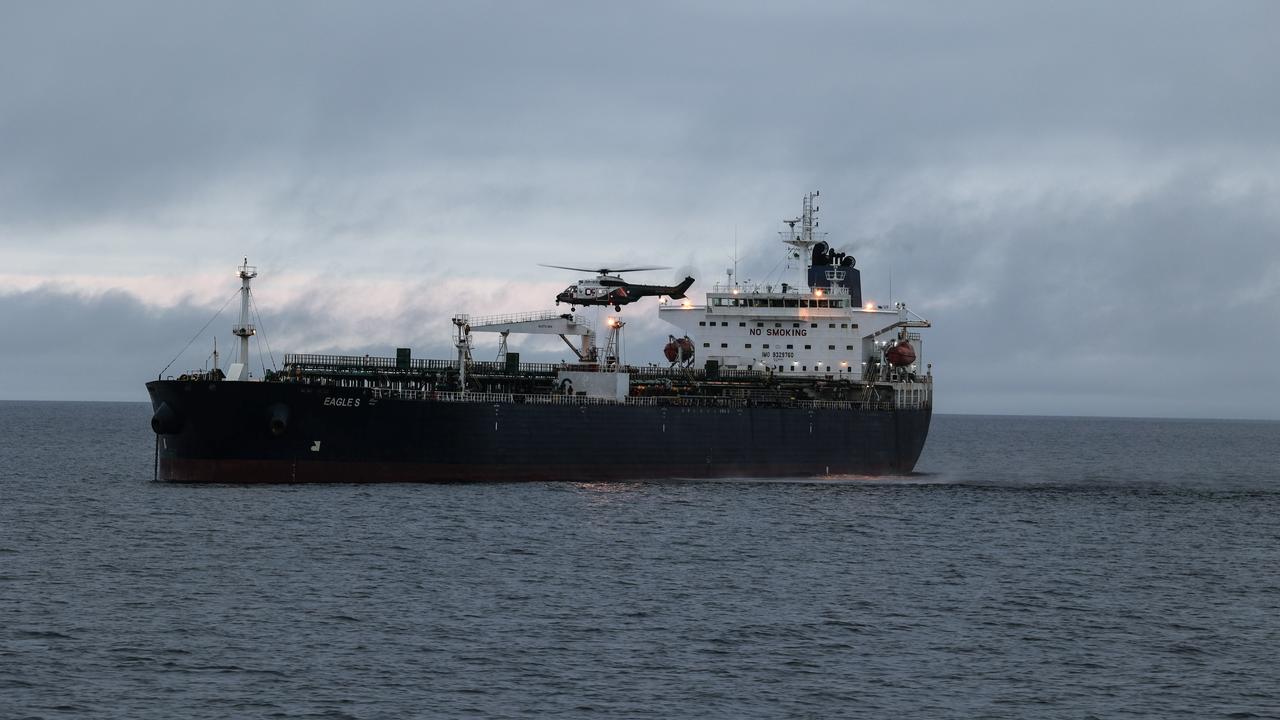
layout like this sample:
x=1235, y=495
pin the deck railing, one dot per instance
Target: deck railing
x=355, y=364
x=372, y=372
x=676, y=401
x=358, y=364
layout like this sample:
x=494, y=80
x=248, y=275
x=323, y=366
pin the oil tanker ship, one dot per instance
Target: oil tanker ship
x=802, y=379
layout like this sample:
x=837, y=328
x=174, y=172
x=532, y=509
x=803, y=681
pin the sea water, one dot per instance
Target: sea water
x=1031, y=568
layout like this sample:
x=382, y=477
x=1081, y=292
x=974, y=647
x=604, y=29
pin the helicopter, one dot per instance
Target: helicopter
x=607, y=288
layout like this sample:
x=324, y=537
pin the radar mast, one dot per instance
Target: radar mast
x=803, y=241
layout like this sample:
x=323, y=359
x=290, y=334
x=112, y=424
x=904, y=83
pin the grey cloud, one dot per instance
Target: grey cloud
x=1131, y=307
x=1080, y=195
x=105, y=347
x=112, y=108
x=74, y=346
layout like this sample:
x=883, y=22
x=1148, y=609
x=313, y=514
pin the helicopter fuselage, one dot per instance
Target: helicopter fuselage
x=617, y=292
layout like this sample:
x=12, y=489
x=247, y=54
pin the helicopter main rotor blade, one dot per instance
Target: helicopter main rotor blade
x=605, y=271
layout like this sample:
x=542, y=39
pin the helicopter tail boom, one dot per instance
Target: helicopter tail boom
x=677, y=292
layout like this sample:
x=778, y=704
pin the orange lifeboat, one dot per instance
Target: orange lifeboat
x=901, y=354
x=678, y=350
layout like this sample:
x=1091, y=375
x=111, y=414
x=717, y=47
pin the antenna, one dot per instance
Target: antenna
x=735, y=255
x=733, y=271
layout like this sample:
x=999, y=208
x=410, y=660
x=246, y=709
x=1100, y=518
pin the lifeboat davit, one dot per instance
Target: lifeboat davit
x=901, y=354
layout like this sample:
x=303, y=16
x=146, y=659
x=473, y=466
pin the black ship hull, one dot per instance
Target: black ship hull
x=273, y=432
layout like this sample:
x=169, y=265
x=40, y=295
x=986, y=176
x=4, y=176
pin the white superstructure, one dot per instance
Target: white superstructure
x=818, y=327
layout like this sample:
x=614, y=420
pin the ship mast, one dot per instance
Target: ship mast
x=243, y=329
x=463, y=343
x=805, y=239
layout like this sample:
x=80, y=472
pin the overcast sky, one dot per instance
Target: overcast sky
x=1083, y=197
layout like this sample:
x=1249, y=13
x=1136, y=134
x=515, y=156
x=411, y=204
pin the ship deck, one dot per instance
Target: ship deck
x=536, y=383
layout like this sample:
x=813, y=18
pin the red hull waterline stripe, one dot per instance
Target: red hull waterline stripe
x=285, y=471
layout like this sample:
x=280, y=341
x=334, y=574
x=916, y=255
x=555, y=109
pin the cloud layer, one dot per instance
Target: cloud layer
x=1083, y=198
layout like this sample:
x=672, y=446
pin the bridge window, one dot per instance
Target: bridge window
x=742, y=324
x=706, y=344
x=724, y=324
x=832, y=325
x=703, y=323
x=848, y=347
x=831, y=347
x=747, y=346
x=724, y=345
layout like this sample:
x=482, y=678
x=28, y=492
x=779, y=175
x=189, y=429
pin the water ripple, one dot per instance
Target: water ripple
x=1048, y=568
